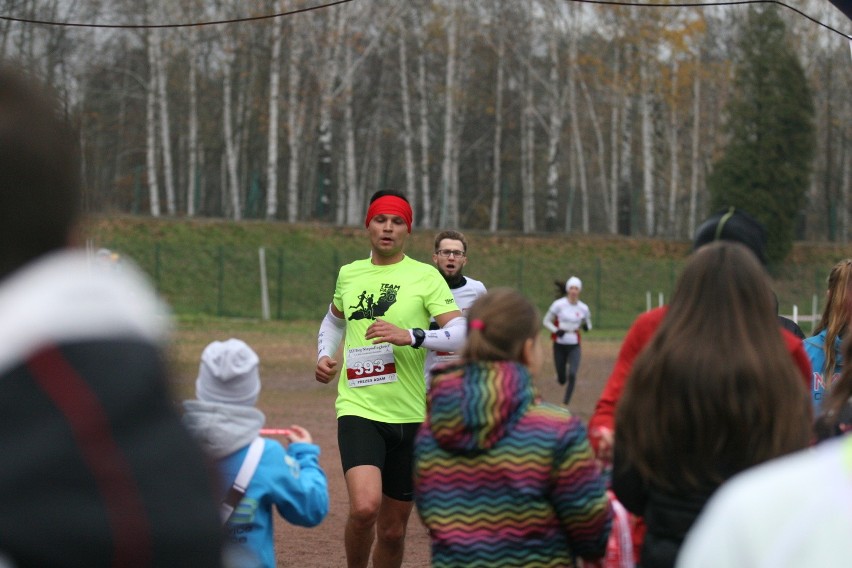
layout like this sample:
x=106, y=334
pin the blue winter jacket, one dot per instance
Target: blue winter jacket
x=819, y=383
x=290, y=480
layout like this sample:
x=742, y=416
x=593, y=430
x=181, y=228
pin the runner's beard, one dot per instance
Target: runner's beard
x=453, y=280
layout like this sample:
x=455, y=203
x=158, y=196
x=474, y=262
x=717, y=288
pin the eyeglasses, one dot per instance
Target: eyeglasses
x=447, y=253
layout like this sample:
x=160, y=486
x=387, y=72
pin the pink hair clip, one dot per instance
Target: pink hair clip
x=477, y=324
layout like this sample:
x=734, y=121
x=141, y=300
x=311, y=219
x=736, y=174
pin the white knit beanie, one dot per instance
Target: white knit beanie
x=228, y=373
x=574, y=281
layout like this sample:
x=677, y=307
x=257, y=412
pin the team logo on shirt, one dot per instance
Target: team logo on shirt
x=370, y=308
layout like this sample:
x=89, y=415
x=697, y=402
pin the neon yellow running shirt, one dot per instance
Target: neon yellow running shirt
x=405, y=294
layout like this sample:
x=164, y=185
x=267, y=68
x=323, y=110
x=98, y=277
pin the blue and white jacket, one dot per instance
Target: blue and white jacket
x=290, y=479
x=820, y=384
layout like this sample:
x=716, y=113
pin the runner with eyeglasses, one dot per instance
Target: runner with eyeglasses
x=382, y=306
x=450, y=258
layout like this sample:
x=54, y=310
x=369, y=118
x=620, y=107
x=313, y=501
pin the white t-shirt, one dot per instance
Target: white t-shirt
x=465, y=295
x=566, y=316
x=794, y=512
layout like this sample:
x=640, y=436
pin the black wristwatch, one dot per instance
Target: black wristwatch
x=419, y=337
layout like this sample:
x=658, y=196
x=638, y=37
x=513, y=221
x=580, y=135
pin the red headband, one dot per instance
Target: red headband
x=389, y=205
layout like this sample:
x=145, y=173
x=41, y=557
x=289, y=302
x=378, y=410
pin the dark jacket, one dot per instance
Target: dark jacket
x=95, y=467
x=668, y=516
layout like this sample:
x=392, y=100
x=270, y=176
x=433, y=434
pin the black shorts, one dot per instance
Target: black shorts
x=389, y=447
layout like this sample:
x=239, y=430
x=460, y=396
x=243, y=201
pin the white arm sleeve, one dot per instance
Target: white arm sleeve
x=330, y=334
x=449, y=338
x=547, y=322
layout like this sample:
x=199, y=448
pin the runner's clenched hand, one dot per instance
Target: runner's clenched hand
x=381, y=331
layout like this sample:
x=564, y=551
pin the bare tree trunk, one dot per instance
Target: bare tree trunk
x=425, y=182
x=647, y=148
x=449, y=208
x=295, y=124
x=614, y=143
x=674, y=178
x=232, y=150
x=407, y=128
x=572, y=186
x=272, y=135
x=554, y=134
x=192, y=139
x=626, y=170
x=243, y=119
x=696, y=148
x=327, y=80
x=498, y=135
x=528, y=159
x=165, y=129
x=575, y=128
x=601, y=153
x=353, y=202
x=151, y=130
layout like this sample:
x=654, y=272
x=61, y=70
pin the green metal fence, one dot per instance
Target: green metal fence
x=225, y=281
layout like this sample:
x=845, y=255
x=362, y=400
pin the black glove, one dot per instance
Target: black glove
x=560, y=332
x=584, y=326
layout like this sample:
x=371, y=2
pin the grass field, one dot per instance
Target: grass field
x=212, y=267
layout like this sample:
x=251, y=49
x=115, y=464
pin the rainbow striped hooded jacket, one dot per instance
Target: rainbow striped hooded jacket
x=501, y=480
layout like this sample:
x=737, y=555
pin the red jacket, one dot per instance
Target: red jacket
x=638, y=336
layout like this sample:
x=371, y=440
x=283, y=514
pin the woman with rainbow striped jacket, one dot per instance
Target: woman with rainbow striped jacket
x=501, y=479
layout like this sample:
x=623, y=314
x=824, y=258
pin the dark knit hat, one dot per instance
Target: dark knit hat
x=736, y=225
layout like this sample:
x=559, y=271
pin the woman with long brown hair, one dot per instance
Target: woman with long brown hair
x=714, y=393
x=823, y=348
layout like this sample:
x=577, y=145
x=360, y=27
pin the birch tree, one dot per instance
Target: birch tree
x=615, y=118
x=165, y=128
x=527, y=128
x=423, y=97
x=554, y=133
x=272, y=135
x=192, y=123
x=498, y=134
x=448, y=216
x=625, y=175
x=407, y=125
x=674, y=174
x=295, y=122
x=647, y=146
x=353, y=202
x=151, y=130
x=577, y=139
x=601, y=153
x=232, y=144
x=325, y=136
x=695, y=160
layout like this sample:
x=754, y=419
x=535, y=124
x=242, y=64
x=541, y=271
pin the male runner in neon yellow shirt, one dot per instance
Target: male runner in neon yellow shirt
x=383, y=305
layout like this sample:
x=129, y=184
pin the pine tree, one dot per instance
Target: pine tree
x=766, y=164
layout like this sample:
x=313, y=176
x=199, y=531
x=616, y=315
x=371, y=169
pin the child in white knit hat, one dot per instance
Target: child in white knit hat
x=256, y=472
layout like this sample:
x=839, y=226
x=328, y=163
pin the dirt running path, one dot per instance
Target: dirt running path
x=291, y=395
